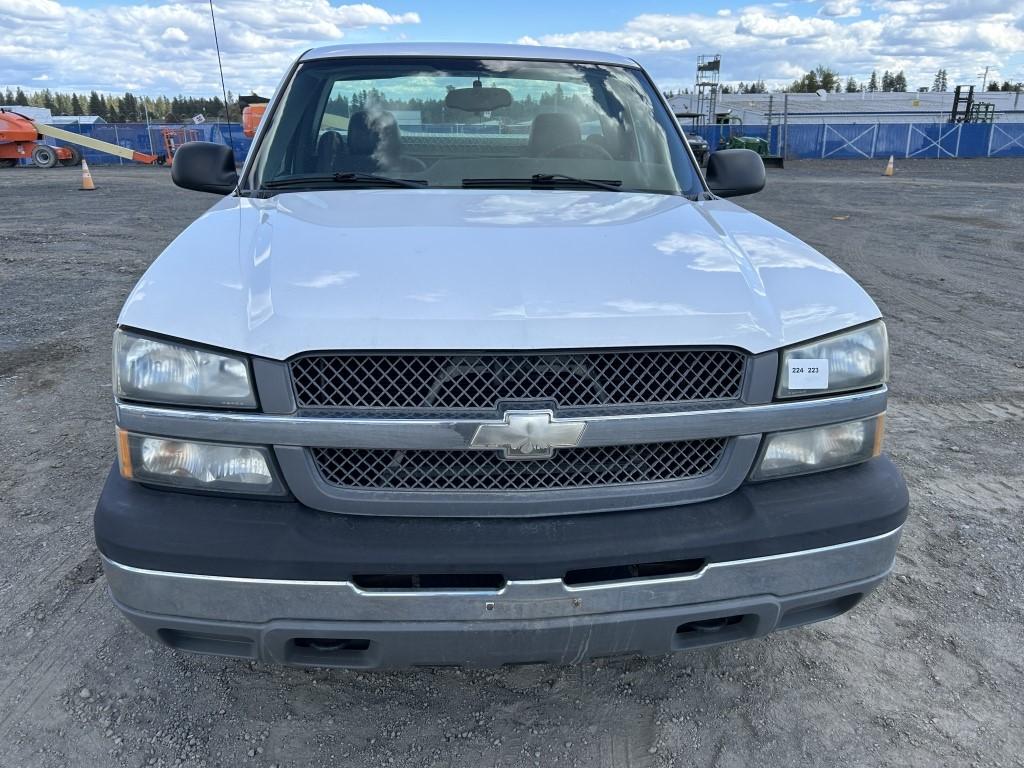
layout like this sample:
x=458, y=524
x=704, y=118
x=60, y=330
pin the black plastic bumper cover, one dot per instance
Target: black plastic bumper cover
x=223, y=536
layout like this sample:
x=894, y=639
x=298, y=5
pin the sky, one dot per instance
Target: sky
x=166, y=46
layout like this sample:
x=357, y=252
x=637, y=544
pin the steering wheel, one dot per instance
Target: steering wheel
x=411, y=164
x=403, y=164
x=581, y=150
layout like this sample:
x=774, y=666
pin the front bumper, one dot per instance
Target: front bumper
x=324, y=623
x=275, y=580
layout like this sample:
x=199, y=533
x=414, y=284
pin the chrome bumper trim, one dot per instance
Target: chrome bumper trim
x=224, y=598
x=457, y=434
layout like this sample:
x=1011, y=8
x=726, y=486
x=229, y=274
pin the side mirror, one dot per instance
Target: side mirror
x=205, y=167
x=733, y=172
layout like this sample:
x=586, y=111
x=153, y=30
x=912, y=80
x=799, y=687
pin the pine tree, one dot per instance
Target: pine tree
x=851, y=85
x=76, y=105
x=129, y=108
x=873, y=82
x=828, y=79
x=97, y=105
x=20, y=98
x=899, y=82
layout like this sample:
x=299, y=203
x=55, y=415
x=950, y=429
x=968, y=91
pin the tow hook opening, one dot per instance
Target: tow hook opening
x=329, y=651
x=708, y=625
x=331, y=644
x=716, y=629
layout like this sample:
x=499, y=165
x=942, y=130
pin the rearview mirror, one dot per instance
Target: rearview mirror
x=735, y=172
x=477, y=98
x=205, y=167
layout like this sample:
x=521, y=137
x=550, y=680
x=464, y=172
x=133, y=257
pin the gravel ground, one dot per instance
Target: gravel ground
x=927, y=671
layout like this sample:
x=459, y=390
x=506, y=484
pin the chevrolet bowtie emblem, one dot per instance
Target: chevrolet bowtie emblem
x=528, y=434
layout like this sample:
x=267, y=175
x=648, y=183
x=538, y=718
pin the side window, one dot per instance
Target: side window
x=336, y=110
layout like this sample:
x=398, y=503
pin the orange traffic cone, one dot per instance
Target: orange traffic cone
x=87, y=182
x=890, y=169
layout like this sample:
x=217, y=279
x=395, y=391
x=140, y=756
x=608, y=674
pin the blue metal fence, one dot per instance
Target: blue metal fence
x=871, y=140
x=150, y=139
x=839, y=140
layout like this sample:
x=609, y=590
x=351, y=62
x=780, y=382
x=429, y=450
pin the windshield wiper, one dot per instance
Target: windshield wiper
x=347, y=177
x=547, y=180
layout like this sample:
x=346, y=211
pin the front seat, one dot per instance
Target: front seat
x=551, y=130
x=330, y=152
x=373, y=142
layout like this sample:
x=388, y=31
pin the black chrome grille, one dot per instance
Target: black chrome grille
x=439, y=470
x=483, y=382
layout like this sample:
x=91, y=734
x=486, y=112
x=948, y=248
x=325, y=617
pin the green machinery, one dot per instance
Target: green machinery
x=732, y=139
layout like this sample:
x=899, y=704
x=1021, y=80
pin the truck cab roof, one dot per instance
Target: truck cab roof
x=469, y=50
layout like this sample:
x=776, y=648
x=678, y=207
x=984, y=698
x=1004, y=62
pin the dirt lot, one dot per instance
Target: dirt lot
x=929, y=671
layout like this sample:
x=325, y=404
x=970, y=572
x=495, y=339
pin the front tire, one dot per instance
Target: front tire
x=75, y=159
x=44, y=156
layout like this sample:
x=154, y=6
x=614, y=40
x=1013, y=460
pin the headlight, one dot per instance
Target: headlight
x=850, y=360
x=164, y=372
x=820, y=448
x=201, y=466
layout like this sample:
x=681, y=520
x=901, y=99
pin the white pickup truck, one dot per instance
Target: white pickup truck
x=472, y=365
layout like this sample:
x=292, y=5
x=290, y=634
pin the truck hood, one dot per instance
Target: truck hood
x=487, y=269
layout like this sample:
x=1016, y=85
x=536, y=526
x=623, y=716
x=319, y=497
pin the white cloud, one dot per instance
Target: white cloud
x=35, y=10
x=166, y=46
x=841, y=9
x=174, y=34
x=778, y=42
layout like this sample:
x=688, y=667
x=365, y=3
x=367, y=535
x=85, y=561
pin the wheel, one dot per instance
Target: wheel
x=75, y=159
x=8, y=162
x=44, y=156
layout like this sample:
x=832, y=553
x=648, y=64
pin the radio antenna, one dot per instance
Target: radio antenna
x=223, y=88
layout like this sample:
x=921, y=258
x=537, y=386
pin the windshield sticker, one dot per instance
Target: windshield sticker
x=808, y=374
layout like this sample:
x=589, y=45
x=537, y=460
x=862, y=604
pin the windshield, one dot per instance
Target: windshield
x=459, y=122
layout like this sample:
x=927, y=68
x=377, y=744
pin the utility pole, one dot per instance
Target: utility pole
x=984, y=78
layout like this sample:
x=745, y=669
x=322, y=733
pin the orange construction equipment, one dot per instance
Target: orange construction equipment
x=174, y=138
x=21, y=138
x=251, y=117
x=253, y=108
